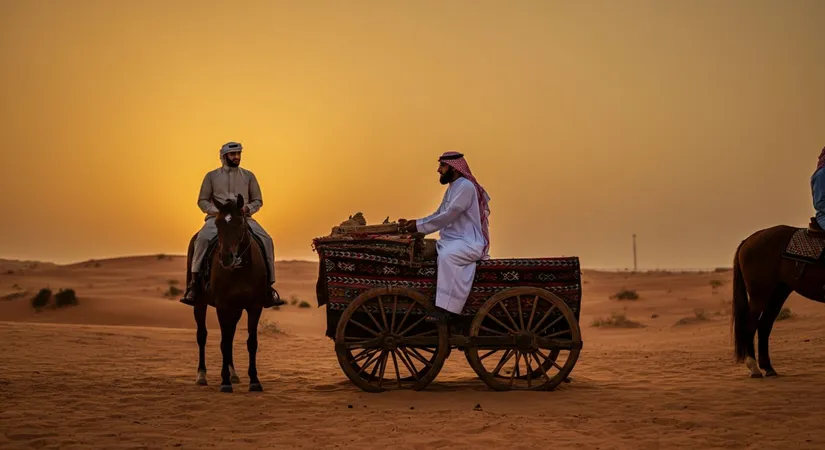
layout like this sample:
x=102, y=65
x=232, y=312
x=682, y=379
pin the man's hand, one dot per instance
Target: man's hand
x=408, y=226
x=245, y=210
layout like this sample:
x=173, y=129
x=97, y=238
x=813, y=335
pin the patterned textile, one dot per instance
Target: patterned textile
x=805, y=247
x=344, y=275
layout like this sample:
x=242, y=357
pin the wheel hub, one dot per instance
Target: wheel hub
x=389, y=342
x=526, y=342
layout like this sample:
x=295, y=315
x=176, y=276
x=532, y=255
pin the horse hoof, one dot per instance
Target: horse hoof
x=226, y=388
x=771, y=373
x=756, y=375
x=201, y=381
x=235, y=379
x=256, y=387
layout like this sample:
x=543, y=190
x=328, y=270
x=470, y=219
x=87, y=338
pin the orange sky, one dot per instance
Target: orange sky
x=690, y=123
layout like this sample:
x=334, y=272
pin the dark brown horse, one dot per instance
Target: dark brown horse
x=763, y=278
x=237, y=283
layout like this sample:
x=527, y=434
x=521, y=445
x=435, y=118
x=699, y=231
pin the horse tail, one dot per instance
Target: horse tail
x=741, y=311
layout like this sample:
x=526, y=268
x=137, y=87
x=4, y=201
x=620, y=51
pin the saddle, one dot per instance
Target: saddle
x=807, y=244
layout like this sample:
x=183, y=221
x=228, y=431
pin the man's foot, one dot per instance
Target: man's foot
x=273, y=300
x=439, y=315
x=191, y=293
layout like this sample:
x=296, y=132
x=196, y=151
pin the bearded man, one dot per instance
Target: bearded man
x=462, y=220
x=225, y=183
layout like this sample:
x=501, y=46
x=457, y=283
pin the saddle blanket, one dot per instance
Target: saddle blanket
x=805, y=247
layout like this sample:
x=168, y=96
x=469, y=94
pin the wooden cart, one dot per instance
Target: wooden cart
x=518, y=330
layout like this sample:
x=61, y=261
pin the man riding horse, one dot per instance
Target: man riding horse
x=222, y=184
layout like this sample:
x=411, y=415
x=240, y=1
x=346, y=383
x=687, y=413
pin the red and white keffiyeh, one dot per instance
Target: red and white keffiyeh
x=456, y=161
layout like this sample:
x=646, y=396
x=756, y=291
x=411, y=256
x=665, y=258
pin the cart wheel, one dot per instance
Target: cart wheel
x=372, y=341
x=534, y=317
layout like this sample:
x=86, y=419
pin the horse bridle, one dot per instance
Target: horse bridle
x=238, y=259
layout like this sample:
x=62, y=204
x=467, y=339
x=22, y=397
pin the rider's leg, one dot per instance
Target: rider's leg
x=269, y=256
x=206, y=234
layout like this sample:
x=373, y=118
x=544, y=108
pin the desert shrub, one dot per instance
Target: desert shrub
x=785, y=313
x=699, y=315
x=716, y=283
x=294, y=300
x=41, y=299
x=65, y=297
x=625, y=294
x=617, y=320
x=269, y=327
x=303, y=304
x=173, y=291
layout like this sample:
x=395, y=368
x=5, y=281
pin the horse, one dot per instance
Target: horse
x=768, y=266
x=237, y=277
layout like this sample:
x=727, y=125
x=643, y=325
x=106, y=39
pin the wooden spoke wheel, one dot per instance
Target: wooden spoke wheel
x=524, y=338
x=383, y=342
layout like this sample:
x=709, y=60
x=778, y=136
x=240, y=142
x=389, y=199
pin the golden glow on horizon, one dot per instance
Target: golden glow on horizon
x=585, y=121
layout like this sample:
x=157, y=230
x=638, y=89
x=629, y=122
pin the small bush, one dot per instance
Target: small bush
x=617, y=320
x=173, y=291
x=699, y=315
x=269, y=327
x=785, y=313
x=303, y=304
x=716, y=283
x=65, y=297
x=625, y=294
x=293, y=300
x=41, y=299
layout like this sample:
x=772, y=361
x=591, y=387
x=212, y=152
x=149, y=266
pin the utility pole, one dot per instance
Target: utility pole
x=634, y=253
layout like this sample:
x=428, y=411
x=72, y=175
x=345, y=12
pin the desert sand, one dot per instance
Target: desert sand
x=118, y=369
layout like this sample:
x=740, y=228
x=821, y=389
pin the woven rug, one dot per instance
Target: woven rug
x=344, y=275
x=805, y=247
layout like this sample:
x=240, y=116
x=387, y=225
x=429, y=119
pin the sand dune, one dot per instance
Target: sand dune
x=117, y=371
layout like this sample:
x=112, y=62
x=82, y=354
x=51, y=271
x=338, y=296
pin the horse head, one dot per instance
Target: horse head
x=233, y=232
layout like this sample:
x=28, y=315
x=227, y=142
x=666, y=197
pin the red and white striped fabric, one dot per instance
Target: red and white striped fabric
x=456, y=161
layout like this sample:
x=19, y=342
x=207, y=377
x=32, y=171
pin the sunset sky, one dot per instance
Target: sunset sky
x=689, y=123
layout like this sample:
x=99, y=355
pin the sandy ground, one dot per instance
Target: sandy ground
x=118, y=370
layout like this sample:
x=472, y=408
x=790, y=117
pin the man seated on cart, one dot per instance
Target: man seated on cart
x=462, y=220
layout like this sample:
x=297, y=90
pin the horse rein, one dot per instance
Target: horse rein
x=238, y=259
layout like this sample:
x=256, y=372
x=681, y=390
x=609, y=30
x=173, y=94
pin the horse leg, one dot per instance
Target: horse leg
x=253, y=316
x=766, y=325
x=200, y=320
x=228, y=319
x=753, y=322
x=233, y=376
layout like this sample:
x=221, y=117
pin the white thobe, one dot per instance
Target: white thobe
x=461, y=245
